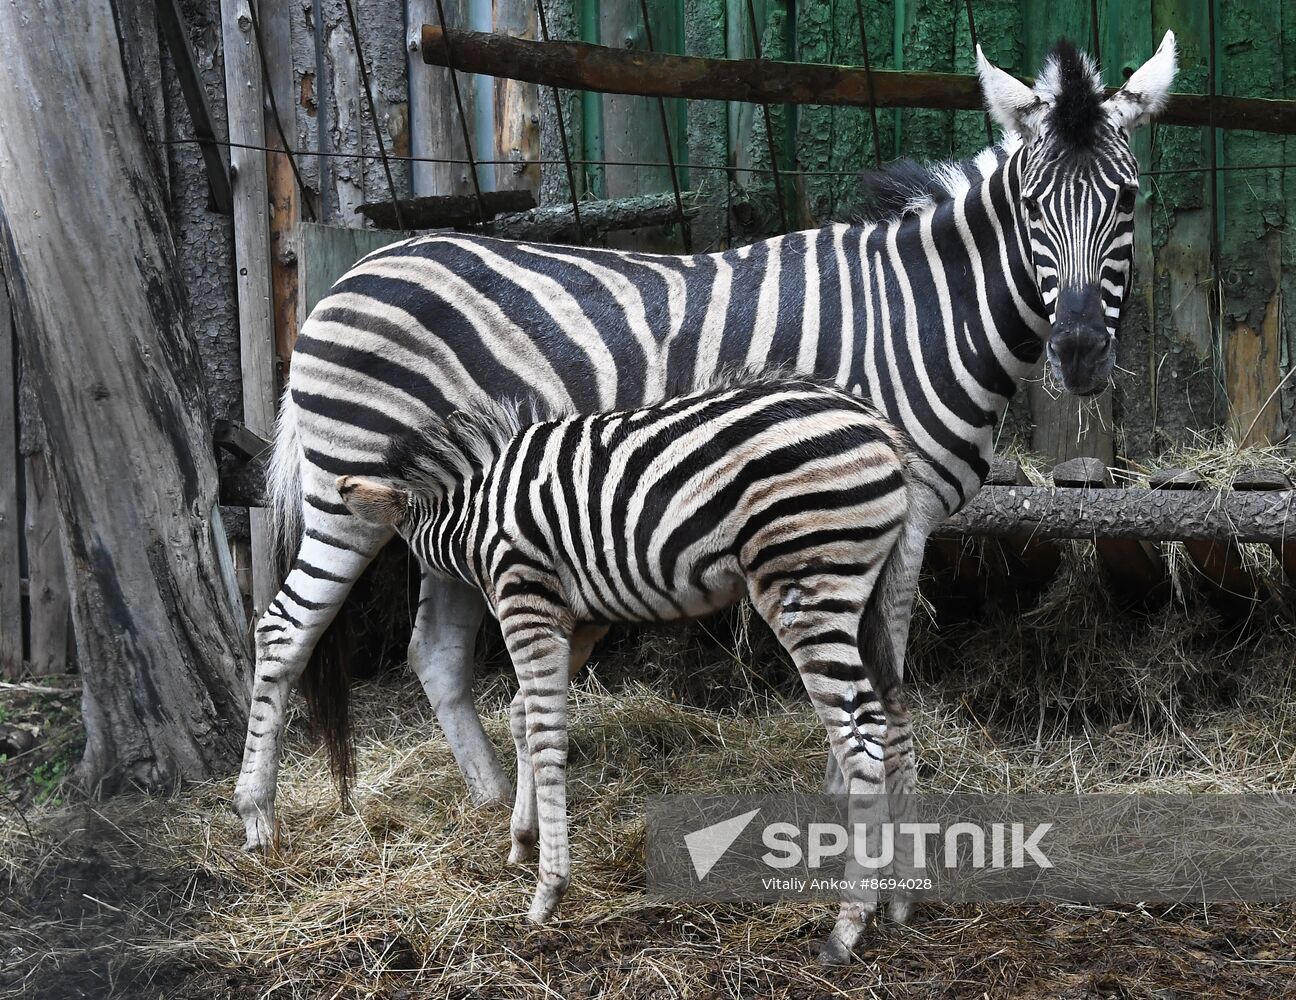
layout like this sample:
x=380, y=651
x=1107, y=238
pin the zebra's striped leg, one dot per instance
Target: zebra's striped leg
x=441, y=653
x=901, y=781
x=524, y=827
x=333, y=553
x=816, y=618
x=541, y=656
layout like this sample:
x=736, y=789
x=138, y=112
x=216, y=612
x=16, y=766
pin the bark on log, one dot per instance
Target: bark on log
x=557, y=223
x=582, y=66
x=1165, y=515
x=92, y=270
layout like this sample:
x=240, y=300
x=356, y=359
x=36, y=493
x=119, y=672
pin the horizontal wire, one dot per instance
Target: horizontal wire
x=647, y=163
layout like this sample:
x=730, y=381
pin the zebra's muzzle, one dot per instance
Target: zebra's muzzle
x=1080, y=349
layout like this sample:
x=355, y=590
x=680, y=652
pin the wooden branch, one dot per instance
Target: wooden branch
x=582, y=66
x=176, y=33
x=440, y=211
x=557, y=223
x=1030, y=560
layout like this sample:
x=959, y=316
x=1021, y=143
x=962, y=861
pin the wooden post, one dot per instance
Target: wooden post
x=434, y=119
x=244, y=108
x=276, y=32
x=517, y=108
x=1135, y=568
x=11, y=645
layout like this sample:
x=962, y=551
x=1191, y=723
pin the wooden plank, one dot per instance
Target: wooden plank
x=1252, y=219
x=48, y=603
x=244, y=108
x=434, y=119
x=517, y=108
x=11, y=644
x=1266, y=479
x=327, y=253
x=1065, y=426
x=630, y=127
x=276, y=32
x=582, y=66
x=707, y=137
x=1028, y=559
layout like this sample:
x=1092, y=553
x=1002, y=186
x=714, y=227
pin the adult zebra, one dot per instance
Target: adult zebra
x=936, y=314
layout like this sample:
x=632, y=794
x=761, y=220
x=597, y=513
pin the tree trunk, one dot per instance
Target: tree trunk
x=91, y=268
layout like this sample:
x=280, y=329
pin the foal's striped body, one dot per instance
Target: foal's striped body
x=788, y=492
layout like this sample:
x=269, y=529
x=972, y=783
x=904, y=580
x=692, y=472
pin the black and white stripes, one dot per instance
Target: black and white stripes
x=787, y=492
x=935, y=312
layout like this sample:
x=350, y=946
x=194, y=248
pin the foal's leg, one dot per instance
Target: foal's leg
x=441, y=653
x=541, y=656
x=334, y=551
x=816, y=620
x=524, y=826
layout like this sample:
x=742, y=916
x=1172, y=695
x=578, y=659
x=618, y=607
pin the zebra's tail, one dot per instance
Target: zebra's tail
x=283, y=484
x=326, y=681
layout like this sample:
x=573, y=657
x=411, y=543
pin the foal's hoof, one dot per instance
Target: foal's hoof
x=900, y=908
x=521, y=852
x=832, y=952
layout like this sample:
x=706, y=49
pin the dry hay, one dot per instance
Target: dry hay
x=409, y=895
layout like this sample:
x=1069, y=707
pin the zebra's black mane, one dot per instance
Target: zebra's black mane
x=442, y=453
x=907, y=186
x=1072, y=81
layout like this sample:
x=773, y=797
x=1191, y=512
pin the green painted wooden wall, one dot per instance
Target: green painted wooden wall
x=1206, y=340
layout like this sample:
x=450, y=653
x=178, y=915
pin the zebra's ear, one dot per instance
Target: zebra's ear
x=1146, y=91
x=372, y=501
x=1010, y=102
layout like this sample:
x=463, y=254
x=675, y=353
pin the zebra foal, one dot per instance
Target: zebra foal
x=786, y=491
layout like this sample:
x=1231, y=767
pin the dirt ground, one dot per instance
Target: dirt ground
x=407, y=895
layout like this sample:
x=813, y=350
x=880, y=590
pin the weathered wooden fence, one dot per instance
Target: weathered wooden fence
x=333, y=108
x=34, y=625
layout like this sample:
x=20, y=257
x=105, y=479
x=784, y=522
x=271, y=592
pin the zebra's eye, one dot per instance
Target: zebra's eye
x=1127, y=198
x=1032, y=206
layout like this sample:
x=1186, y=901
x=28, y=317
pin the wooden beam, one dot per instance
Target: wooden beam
x=11, y=644
x=1155, y=515
x=1031, y=560
x=517, y=108
x=557, y=223
x=244, y=103
x=581, y=66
